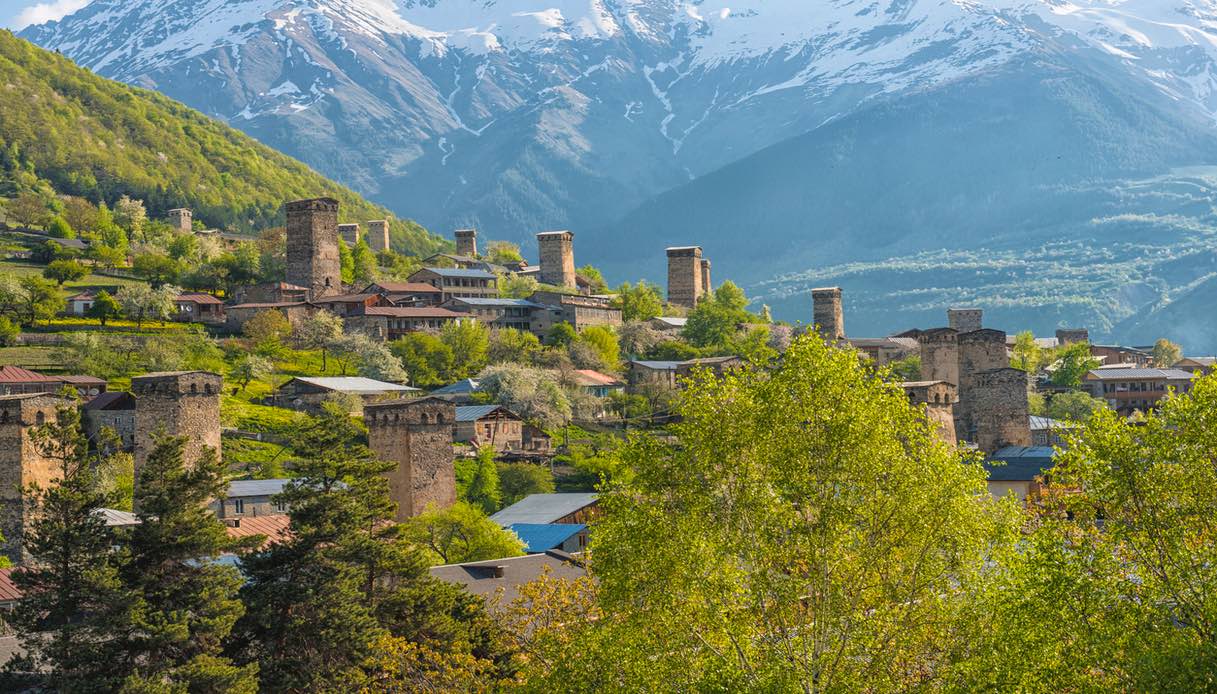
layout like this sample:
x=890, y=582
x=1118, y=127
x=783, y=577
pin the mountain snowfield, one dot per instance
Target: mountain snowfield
x=522, y=115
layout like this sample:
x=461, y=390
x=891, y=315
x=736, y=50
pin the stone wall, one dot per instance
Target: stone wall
x=965, y=320
x=827, y=313
x=686, y=278
x=1002, y=413
x=182, y=220
x=21, y=462
x=706, y=287
x=417, y=436
x=467, y=242
x=312, y=246
x=183, y=403
x=939, y=355
x=378, y=235
x=557, y=250
x=979, y=351
x=350, y=234
x=938, y=398
x=1070, y=336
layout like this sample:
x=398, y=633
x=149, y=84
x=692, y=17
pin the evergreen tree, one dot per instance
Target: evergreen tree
x=71, y=594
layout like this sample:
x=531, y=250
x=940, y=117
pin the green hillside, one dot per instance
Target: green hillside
x=98, y=139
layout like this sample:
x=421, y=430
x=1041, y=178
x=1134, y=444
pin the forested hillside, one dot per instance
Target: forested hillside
x=98, y=139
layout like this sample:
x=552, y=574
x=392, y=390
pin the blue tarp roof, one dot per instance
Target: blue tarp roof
x=544, y=537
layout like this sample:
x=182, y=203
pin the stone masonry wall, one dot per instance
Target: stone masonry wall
x=707, y=288
x=979, y=351
x=417, y=436
x=1002, y=412
x=557, y=249
x=183, y=403
x=21, y=462
x=467, y=242
x=827, y=313
x=686, y=278
x=349, y=233
x=182, y=220
x=378, y=235
x=965, y=320
x=939, y=355
x=312, y=246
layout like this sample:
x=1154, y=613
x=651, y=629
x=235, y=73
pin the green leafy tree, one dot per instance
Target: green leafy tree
x=71, y=593
x=318, y=331
x=80, y=214
x=1027, y=355
x=108, y=257
x=459, y=534
x=104, y=307
x=907, y=369
x=60, y=229
x=518, y=480
x=561, y=335
x=715, y=321
x=483, y=489
x=267, y=330
x=252, y=367
x=603, y=340
x=1072, y=364
x=1166, y=353
x=182, y=603
x=469, y=342
x=183, y=247
x=729, y=296
x=346, y=262
x=141, y=302
x=363, y=263
x=131, y=215
x=156, y=268
x=39, y=299
x=1074, y=406
x=503, y=253
x=532, y=393
x=517, y=286
x=808, y=533
x=9, y=332
x=244, y=265
x=426, y=358
x=594, y=277
x=377, y=362
x=61, y=271
x=28, y=209
x=511, y=345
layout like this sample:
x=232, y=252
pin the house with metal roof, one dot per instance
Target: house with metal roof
x=458, y=282
x=543, y=537
x=548, y=509
x=251, y=499
x=498, y=581
x=497, y=312
x=489, y=425
x=15, y=380
x=1018, y=469
x=308, y=394
x=1136, y=389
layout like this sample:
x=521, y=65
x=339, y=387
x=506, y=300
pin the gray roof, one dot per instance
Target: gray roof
x=674, y=321
x=658, y=365
x=543, y=508
x=462, y=272
x=246, y=488
x=472, y=413
x=1020, y=463
x=467, y=385
x=475, y=301
x=354, y=384
x=487, y=578
x=1123, y=374
x=117, y=519
x=1041, y=423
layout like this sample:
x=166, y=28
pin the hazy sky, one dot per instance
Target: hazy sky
x=16, y=14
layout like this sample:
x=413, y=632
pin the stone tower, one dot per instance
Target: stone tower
x=21, y=462
x=706, y=287
x=378, y=235
x=349, y=233
x=686, y=276
x=1070, y=336
x=979, y=351
x=827, y=313
x=312, y=246
x=965, y=320
x=177, y=403
x=938, y=398
x=1002, y=414
x=182, y=220
x=467, y=242
x=557, y=250
x=417, y=436
x=939, y=355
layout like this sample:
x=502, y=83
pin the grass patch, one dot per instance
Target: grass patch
x=30, y=357
x=91, y=281
x=255, y=459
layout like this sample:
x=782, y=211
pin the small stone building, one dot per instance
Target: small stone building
x=416, y=435
x=415, y=294
x=497, y=313
x=110, y=416
x=177, y=403
x=938, y=398
x=580, y=312
x=489, y=425
x=197, y=307
x=251, y=499
x=351, y=304
x=295, y=313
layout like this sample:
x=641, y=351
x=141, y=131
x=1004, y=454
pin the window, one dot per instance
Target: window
x=238, y=506
x=281, y=506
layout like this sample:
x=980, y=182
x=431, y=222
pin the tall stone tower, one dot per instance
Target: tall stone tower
x=21, y=462
x=965, y=320
x=349, y=233
x=312, y=246
x=1070, y=336
x=1002, y=413
x=467, y=242
x=979, y=351
x=686, y=276
x=177, y=403
x=939, y=355
x=938, y=398
x=827, y=313
x=417, y=436
x=557, y=250
x=378, y=235
x=706, y=287
x=182, y=220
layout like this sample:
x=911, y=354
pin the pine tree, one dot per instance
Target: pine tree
x=71, y=593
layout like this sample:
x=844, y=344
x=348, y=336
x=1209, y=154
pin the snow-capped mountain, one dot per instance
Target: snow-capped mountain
x=522, y=115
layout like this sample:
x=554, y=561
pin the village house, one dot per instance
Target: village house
x=884, y=350
x=642, y=373
x=345, y=305
x=489, y=425
x=1018, y=470
x=460, y=392
x=308, y=394
x=579, y=311
x=15, y=380
x=391, y=322
x=499, y=581
x=271, y=293
x=579, y=508
x=197, y=307
x=598, y=384
x=415, y=294
x=456, y=283
x=1109, y=355
x=1197, y=365
x=1048, y=432
x=250, y=499
x=1136, y=389
x=544, y=537
x=668, y=324
x=295, y=313
x=110, y=414
x=497, y=313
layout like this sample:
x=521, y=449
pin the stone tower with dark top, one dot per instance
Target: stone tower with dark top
x=182, y=220
x=312, y=246
x=828, y=314
x=177, y=403
x=686, y=276
x=706, y=287
x=350, y=234
x=416, y=434
x=979, y=351
x=378, y=235
x=939, y=355
x=467, y=243
x=965, y=320
x=557, y=250
x=1001, y=413
x=22, y=462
